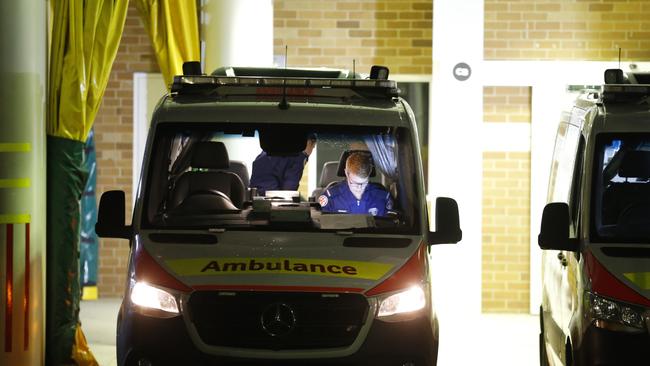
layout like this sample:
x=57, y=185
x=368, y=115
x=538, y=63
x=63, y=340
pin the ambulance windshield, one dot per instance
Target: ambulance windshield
x=621, y=188
x=281, y=177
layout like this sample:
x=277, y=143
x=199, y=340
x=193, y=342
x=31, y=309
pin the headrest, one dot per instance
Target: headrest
x=288, y=141
x=344, y=157
x=239, y=168
x=328, y=174
x=210, y=155
x=636, y=164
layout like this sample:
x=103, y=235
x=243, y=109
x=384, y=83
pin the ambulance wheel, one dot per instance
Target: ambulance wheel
x=543, y=358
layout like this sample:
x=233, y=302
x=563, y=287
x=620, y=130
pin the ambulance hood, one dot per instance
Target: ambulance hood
x=295, y=261
x=620, y=271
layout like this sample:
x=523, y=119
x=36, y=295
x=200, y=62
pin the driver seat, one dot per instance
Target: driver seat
x=208, y=177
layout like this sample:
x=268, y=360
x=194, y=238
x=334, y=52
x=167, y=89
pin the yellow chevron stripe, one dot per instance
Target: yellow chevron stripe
x=15, y=219
x=15, y=147
x=15, y=183
x=641, y=279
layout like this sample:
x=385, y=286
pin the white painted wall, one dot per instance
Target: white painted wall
x=148, y=88
x=455, y=160
x=236, y=33
x=458, y=137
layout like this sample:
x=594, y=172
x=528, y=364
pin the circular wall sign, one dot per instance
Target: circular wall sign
x=462, y=71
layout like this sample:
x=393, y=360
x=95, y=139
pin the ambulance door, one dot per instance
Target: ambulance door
x=556, y=290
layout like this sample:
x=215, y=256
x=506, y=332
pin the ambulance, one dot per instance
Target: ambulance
x=595, y=232
x=219, y=274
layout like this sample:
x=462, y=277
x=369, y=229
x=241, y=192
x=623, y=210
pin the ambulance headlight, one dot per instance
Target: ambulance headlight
x=403, y=302
x=614, y=315
x=153, y=300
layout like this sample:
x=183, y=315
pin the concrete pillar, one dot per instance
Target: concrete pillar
x=23, y=41
x=236, y=33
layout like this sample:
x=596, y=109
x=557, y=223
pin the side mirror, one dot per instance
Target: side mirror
x=110, y=216
x=554, y=233
x=447, y=223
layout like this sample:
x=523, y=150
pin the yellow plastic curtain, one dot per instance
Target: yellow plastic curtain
x=85, y=38
x=174, y=32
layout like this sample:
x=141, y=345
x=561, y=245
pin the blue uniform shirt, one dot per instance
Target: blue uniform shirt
x=277, y=172
x=375, y=200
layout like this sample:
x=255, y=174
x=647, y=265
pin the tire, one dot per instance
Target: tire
x=568, y=355
x=543, y=358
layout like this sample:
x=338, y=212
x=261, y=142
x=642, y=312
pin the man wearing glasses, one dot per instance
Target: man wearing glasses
x=356, y=195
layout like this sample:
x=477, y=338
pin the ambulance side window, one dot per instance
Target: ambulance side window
x=564, y=163
x=575, y=201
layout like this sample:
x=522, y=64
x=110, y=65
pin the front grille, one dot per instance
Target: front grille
x=248, y=319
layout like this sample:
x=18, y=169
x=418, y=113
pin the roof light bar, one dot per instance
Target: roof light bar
x=188, y=83
x=320, y=82
x=296, y=82
x=250, y=81
x=627, y=88
x=625, y=92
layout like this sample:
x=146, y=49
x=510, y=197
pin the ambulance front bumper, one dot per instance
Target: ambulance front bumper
x=143, y=339
x=602, y=347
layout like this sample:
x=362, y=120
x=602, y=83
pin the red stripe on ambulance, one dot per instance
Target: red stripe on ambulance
x=9, y=290
x=26, y=294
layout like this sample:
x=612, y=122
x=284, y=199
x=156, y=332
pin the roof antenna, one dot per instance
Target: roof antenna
x=284, y=105
x=354, y=71
x=619, y=57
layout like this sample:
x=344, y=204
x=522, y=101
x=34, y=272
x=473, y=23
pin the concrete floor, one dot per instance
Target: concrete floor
x=488, y=339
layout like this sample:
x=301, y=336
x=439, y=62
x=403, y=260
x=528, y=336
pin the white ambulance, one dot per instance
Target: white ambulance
x=595, y=231
x=222, y=275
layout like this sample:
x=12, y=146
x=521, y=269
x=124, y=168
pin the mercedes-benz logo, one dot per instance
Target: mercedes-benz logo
x=278, y=319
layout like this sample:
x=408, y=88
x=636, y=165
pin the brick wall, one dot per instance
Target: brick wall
x=567, y=29
x=113, y=136
x=506, y=208
x=506, y=227
x=398, y=34
x=334, y=32
x=506, y=104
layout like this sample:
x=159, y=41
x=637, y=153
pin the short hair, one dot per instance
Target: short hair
x=359, y=164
